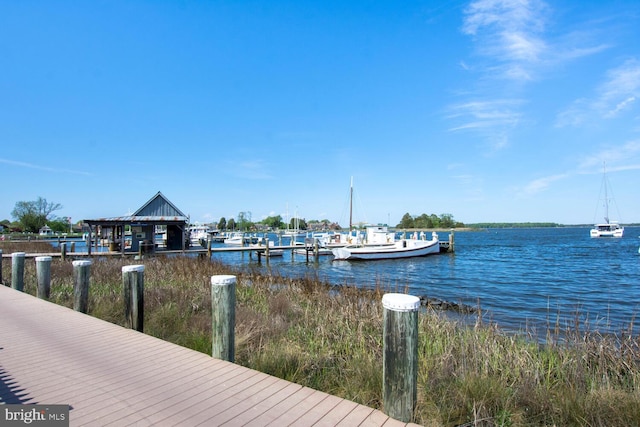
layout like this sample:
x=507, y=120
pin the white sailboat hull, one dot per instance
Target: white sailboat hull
x=607, y=230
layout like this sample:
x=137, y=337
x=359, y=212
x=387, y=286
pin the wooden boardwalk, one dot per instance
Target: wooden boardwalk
x=109, y=375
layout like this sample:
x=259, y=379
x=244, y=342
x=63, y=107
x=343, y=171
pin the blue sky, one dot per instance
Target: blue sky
x=487, y=110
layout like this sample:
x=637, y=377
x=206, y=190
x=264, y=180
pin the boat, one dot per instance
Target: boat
x=607, y=228
x=199, y=233
x=294, y=232
x=239, y=238
x=234, y=238
x=380, y=244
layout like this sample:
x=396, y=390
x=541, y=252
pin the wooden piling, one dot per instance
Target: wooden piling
x=451, y=241
x=133, y=287
x=17, y=271
x=223, y=316
x=81, y=274
x=400, y=361
x=63, y=251
x=43, y=274
x=1, y=282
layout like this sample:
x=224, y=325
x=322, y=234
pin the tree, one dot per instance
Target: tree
x=231, y=224
x=34, y=215
x=406, y=221
x=273, y=222
x=60, y=225
x=222, y=224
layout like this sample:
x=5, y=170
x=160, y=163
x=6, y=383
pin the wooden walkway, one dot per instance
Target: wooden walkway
x=109, y=375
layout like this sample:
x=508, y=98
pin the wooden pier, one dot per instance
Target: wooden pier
x=109, y=375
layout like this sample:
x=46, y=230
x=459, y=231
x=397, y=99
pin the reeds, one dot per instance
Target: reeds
x=330, y=338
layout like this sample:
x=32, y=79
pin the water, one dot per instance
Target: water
x=523, y=279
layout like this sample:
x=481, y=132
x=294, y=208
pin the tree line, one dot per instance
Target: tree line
x=429, y=221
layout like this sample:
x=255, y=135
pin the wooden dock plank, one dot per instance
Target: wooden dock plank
x=110, y=375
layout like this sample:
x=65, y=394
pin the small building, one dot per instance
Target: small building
x=157, y=213
x=45, y=231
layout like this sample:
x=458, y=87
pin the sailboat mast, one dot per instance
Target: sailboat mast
x=606, y=195
x=351, y=206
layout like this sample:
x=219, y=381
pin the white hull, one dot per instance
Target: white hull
x=406, y=248
x=607, y=230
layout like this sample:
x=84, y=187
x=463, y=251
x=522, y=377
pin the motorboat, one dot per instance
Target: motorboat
x=234, y=238
x=380, y=244
x=199, y=233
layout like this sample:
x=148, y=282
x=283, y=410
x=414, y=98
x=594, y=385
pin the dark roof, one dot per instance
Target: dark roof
x=158, y=210
x=159, y=205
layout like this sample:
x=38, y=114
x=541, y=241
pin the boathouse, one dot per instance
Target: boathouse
x=143, y=225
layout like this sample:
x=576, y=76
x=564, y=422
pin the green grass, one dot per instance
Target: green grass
x=330, y=338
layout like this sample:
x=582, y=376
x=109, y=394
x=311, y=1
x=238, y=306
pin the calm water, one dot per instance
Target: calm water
x=522, y=278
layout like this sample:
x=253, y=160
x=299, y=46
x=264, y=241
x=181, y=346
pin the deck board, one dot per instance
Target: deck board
x=110, y=375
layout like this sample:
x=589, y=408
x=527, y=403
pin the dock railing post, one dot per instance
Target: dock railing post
x=223, y=316
x=400, y=361
x=43, y=274
x=133, y=286
x=63, y=251
x=17, y=271
x=81, y=274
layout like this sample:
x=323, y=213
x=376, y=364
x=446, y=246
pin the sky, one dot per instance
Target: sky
x=488, y=110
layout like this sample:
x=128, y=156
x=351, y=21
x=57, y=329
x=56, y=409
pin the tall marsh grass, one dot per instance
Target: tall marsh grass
x=330, y=338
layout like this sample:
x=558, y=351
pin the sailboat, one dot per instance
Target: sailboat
x=607, y=228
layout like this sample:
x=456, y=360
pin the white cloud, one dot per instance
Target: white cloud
x=617, y=94
x=541, y=184
x=508, y=31
x=42, y=168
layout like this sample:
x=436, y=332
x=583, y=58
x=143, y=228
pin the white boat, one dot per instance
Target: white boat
x=381, y=244
x=199, y=233
x=607, y=228
x=234, y=238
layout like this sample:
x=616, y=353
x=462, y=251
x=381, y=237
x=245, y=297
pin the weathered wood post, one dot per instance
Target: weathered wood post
x=316, y=249
x=63, y=251
x=17, y=271
x=223, y=316
x=81, y=273
x=43, y=274
x=133, y=285
x=266, y=248
x=451, y=241
x=209, y=247
x=1, y=282
x=400, y=361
